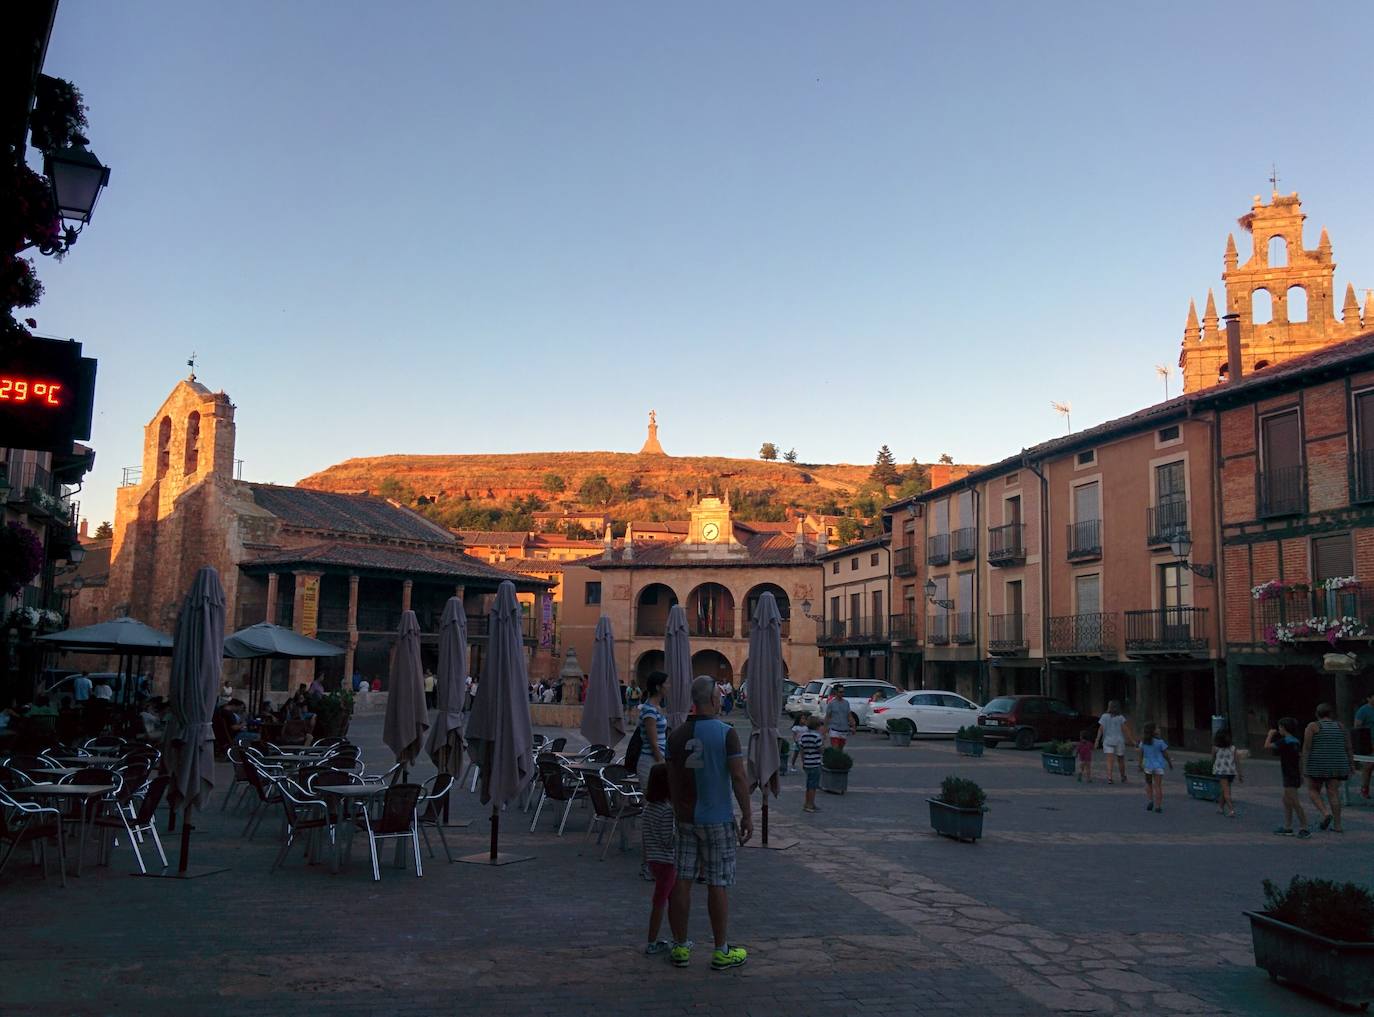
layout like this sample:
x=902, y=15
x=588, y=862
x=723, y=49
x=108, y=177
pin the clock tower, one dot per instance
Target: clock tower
x=711, y=532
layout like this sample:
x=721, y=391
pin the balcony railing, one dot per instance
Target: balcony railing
x=1175, y=630
x=904, y=561
x=1085, y=539
x=937, y=549
x=1007, y=634
x=479, y=627
x=1165, y=521
x=862, y=629
x=1083, y=635
x=965, y=544
x=963, y=628
x=717, y=628
x=1362, y=473
x=937, y=630
x=1281, y=492
x=903, y=628
x=785, y=631
x=1300, y=615
x=1007, y=544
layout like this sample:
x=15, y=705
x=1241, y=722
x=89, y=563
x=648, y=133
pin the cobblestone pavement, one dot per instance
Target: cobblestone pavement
x=1075, y=901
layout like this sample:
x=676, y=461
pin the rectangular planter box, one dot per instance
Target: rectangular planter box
x=834, y=782
x=965, y=748
x=900, y=738
x=1338, y=970
x=1062, y=765
x=951, y=821
x=1203, y=787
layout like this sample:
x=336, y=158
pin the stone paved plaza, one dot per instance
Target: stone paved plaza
x=1076, y=900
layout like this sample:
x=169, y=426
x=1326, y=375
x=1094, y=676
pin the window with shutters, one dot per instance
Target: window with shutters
x=1282, y=485
x=1363, y=442
x=1333, y=557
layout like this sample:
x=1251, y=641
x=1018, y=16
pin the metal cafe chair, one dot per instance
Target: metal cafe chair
x=28, y=823
x=436, y=794
x=304, y=814
x=143, y=821
x=399, y=819
x=610, y=805
x=560, y=785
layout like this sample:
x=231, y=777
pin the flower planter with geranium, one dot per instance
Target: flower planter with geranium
x=901, y=731
x=1059, y=758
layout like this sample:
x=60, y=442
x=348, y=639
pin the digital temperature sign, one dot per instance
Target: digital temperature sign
x=47, y=393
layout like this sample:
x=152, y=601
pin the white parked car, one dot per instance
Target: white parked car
x=811, y=699
x=933, y=712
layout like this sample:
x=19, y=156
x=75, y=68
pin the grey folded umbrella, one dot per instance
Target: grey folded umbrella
x=407, y=718
x=499, y=735
x=765, y=699
x=445, y=743
x=603, y=715
x=677, y=651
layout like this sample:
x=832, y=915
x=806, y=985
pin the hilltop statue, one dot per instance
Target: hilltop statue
x=651, y=445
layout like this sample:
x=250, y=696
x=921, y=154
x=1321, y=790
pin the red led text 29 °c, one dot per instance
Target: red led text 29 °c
x=25, y=390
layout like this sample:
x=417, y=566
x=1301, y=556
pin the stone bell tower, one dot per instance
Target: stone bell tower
x=1283, y=296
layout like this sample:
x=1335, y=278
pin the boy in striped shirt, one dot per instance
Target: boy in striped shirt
x=810, y=743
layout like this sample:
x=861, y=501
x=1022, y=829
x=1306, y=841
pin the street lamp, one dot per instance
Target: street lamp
x=948, y=605
x=806, y=610
x=76, y=554
x=1181, y=545
x=77, y=178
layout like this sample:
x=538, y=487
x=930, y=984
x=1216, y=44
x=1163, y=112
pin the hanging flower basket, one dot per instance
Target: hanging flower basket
x=21, y=556
x=1276, y=588
x=1315, y=628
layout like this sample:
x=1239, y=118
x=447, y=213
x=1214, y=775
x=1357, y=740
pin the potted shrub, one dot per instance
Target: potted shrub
x=1058, y=758
x=958, y=812
x=1318, y=934
x=968, y=741
x=900, y=730
x=835, y=767
x=333, y=711
x=1197, y=776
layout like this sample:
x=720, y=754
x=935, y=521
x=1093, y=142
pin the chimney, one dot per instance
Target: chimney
x=1234, y=370
x=83, y=531
x=629, y=541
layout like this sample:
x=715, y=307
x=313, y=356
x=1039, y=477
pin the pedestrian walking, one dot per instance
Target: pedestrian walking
x=1327, y=762
x=658, y=831
x=1084, y=751
x=430, y=683
x=837, y=717
x=1226, y=767
x=705, y=765
x=1364, y=720
x=809, y=744
x=1154, y=756
x=1283, y=742
x=1113, y=735
x=653, y=726
x=798, y=729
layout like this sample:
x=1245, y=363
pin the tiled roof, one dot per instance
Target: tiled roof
x=536, y=565
x=871, y=543
x=359, y=514
x=376, y=558
x=1339, y=358
x=492, y=538
x=763, y=549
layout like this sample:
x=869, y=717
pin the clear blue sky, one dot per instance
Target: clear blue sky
x=434, y=227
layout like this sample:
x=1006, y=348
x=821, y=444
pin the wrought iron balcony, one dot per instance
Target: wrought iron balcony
x=830, y=631
x=1085, y=539
x=937, y=549
x=1167, y=630
x=904, y=561
x=1281, y=492
x=1296, y=614
x=964, y=543
x=903, y=628
x=1165, y=521
x=963, y=628
x=1007, y=634
x=1007, y=544
x=862, y=629
x=1362, y=475
x=1083, y=635
x=937, y=629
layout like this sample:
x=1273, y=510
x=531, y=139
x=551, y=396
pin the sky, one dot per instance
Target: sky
x=434, y=227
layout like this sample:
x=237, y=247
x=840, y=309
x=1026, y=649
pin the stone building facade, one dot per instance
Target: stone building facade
x=856, y=603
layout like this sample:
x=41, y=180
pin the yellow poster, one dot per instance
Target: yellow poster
x=310, y=606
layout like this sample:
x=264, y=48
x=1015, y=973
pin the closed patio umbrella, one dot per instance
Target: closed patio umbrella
x=765, y=698
x=197, y=663
x=407, y=718
x=603, y=715
x=445, y=742
x=677, y=652
x=500, y=741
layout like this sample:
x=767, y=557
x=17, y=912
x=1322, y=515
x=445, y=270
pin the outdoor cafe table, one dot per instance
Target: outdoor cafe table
x=347, y=795
x=82, y=792
x=91, y=760
x=53, y=772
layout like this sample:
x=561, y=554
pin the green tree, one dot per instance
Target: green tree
x=768, y=451
x=554, y=484
x=946, y=458
x=104, y=531
x=596, y=490
x=790, y=455
x=885, y=468
x=848, y=530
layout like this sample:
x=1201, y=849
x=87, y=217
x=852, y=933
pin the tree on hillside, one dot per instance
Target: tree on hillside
x=768, y=451
x=554, y=484
x=915, y=481
x=576, y=531
x=946, y=458
x=596, y=490
x=104, y=531
x=790, y=455
x=885, y=468
x=848, y=530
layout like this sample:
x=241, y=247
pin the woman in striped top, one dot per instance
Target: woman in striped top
x=1327, y=760
x=654, y=724
x=659, y=831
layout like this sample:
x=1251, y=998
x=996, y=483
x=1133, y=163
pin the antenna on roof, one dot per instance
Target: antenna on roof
x=192, y=365
x=1065, y=409
x=1164, y=370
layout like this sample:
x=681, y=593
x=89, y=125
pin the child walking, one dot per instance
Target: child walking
x=659, y=831
x=1283, y=742
x=810, y=742
x=1226, y=766
x=798, y=729
x=1154, y=756
x=1085, y=755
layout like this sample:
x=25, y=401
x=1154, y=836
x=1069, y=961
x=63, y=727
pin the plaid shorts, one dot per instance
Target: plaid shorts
x=709, y=847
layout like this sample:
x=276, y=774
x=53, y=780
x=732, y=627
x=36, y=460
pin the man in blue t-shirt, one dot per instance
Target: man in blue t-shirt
x=1364, y=717
x=705, y=768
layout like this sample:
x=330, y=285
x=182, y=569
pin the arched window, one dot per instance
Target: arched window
x=164, y=446
x=1261, y=307
x=1223, y=373
x=1297, y=303
x=1260, y=365
x=1278, y=252
x=192, y=443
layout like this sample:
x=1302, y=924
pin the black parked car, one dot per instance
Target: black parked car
x=1027, y=720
